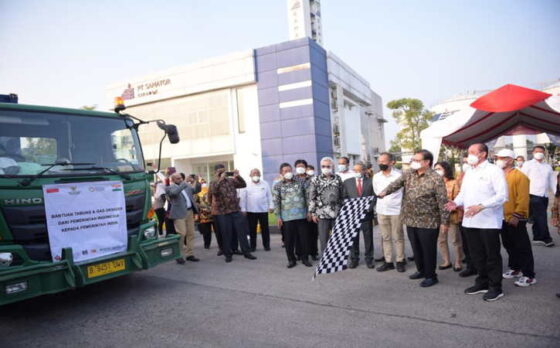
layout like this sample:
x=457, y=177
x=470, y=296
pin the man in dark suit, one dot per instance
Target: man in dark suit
x=361, y=186
x=182, y=212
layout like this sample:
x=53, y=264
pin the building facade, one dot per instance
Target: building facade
x=257, y=109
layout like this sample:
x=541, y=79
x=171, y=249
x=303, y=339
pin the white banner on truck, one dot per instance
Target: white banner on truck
x=89, y=217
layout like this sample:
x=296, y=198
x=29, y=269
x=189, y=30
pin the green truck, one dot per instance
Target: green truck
x=47, y=145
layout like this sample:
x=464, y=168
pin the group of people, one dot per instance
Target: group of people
x=484, y=207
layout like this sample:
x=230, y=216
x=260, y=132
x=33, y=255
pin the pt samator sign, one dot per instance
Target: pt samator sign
x=89, y=217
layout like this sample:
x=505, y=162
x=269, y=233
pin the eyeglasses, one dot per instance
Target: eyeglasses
x=326, y=167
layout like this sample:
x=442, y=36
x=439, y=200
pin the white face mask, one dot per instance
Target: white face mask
x=358, y=175
x=288, y=176
x=310, y=172
x=501, y=164
x=472, y=160
x=326, y=171
x=415, y=165
x=465, y=167
x=538, y=155
x=440, y=172
x=520, y=164
x=256, y=178
x=342, y=167
x=300, y=170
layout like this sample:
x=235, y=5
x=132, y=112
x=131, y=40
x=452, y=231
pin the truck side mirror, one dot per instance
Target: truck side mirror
x=170, y=130
x=172, y=133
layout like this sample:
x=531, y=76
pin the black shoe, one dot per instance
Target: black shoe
x=426, y=283
x=410, y=258
x=229, y=258
x=457, y=269
x=401, y=266
x=385, y=267
x=291, y=264
x=549, y=243
x=306, y=262
x=441, y=267
x=237, y=252
x=558, y=295
x=180, y=261
x=370, y=264
x=467, y=273
x=207, y=247
x=267, y=249
x=379, y=259
x=353, y=264
x=476, y=289
x=416, y=275
x=493, y=295
x=192, y=259
x=249, y=256
x=220, y=252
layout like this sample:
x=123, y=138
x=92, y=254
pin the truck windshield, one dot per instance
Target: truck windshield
x=29, y=141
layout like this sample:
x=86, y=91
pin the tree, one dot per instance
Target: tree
x=413, y=118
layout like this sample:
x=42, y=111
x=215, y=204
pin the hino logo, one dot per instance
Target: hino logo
x=19, y=201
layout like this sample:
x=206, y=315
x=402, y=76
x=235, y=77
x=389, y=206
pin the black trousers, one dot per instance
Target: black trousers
x=229, y=224
x=295, y=230
x=537, y=208
x=170, y=226
x=484, y=245
x=424, y=246
x=466, y=250
x=367, y=231
x=262, y=220
x=160, y=213
x=206, y=231
x=312, y=238
x=518, y=246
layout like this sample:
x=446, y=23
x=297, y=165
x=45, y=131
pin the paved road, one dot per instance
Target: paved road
x=261, y=303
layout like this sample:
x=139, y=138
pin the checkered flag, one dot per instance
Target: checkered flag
x=346, y=228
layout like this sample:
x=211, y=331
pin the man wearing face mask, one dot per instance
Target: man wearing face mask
x=304, y=178
x=542, y=182
x=344, y=169
x=258, y=202
x=310, y=170
x=389, y=214
x=290, y=207
x=325, y=200
x=514, y=228
x=483, y=194
x=423, y=213
x=356, y=187
x=519, y=161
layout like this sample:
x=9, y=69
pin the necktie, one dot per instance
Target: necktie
x=360, y=187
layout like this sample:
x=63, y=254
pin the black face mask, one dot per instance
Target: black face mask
x=383, y=167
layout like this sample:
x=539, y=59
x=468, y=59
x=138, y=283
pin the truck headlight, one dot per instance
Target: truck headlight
x=16, y=287
x=150, y=232
x=6, y=259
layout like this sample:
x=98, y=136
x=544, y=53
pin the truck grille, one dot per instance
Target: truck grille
x=28, y=225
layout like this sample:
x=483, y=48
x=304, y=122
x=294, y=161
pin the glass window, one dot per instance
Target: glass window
x=31, y=141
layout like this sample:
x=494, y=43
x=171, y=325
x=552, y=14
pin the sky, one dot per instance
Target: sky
x=65, y=52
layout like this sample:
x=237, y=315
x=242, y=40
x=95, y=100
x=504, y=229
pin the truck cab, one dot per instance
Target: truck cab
x=44, y=146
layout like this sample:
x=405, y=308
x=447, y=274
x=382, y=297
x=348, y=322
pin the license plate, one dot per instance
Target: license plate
x=105, y=268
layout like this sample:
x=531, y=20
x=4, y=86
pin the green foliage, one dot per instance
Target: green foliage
x=413, y=118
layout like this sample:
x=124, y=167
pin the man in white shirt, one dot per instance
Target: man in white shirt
x=389, y=214
x=542, y=182
x=256, y=201
x=483, y=193
x=344, y=168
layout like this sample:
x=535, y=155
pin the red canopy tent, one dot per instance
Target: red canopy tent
x=508, y=110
